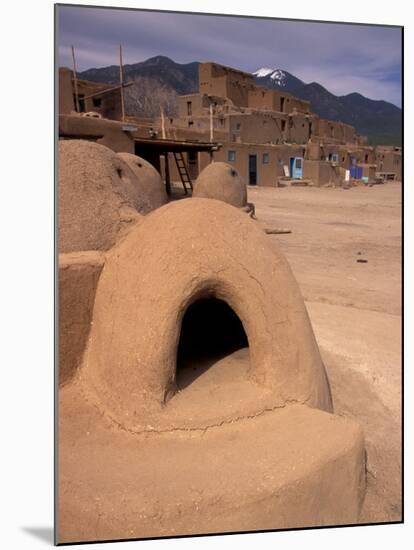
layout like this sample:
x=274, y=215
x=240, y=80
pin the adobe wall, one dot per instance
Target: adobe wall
x=257, y=128
x=264, y=98
x=321, y=172
x=300, y=105
x=196, y=125
x=298, y=129
x=66, y=102
x=191, y=105
x=276, y=100
x=105, y=132
x=389, y=159
x=78, y=278
x=336, y=130
x=368, y=171
x=108, y=105
x=224, y=81
x=268, y=173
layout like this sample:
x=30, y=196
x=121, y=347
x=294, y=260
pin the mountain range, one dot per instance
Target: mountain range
x=160, y=80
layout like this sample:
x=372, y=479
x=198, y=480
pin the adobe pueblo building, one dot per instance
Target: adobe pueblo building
x=193, y=398
x=267, y=135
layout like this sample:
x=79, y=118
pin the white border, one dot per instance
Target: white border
x=26, y=289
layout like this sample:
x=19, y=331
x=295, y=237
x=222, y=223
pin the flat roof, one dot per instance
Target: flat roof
x=171, y=145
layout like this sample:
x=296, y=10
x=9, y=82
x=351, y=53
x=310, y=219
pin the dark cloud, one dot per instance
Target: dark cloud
x=343, y=58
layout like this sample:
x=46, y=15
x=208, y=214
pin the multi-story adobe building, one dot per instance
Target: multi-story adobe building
x=267, y=134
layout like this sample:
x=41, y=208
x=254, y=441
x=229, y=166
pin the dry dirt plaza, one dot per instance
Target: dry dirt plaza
x=355, y=310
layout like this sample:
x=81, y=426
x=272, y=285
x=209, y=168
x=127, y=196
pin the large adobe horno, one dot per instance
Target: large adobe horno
x=184, y=251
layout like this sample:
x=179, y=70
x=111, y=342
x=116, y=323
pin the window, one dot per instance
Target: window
x=233, y=137
x=298, y=163
x=334, y=157
x=97, y=101
x=231, y=156
x=265, y=158
x=238, y=126
x=189, y=108
x=283, y=125
x=190, y=123
x=81, y=99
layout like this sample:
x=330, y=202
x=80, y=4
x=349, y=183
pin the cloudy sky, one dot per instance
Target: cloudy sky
x=343, y=58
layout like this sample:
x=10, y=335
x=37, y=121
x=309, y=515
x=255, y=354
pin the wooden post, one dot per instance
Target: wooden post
x=211, y=122
x=167, y=175
x=162, y=123
x=75, y=81
x=121, y=82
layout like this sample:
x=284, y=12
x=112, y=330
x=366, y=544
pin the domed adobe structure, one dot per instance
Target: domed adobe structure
x=221, y=181
x=238, y=439
x=149, y=190
x=97, y=204
x=193, y=250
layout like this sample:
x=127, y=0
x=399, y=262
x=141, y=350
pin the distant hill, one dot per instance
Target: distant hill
x=159, y=80
x=183, y=78
x=379, y=120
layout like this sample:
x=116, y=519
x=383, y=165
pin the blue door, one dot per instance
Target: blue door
x=296, y=167
x=355, y=170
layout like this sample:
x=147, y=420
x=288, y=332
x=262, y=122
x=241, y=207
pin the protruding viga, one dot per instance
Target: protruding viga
x=184, y=251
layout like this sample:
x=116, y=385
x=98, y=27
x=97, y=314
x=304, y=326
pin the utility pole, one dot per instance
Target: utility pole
x=121, y=82
x=162, y=122
x=75, y=81
x=211, y=122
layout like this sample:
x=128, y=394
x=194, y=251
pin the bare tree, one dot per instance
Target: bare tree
x=147, y=95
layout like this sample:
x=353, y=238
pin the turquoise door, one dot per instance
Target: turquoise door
x=296, y=167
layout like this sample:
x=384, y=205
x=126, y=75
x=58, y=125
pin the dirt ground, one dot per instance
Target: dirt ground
x=355, y=309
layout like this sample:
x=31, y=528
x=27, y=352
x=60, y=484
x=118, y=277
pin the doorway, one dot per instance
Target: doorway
x=192, y=157
x=296, y=167
x=252, y=169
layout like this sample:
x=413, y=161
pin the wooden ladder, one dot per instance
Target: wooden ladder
x=183, y=171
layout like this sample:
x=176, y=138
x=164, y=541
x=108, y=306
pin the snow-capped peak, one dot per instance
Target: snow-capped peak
x=264, y=71
x=277, y=75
